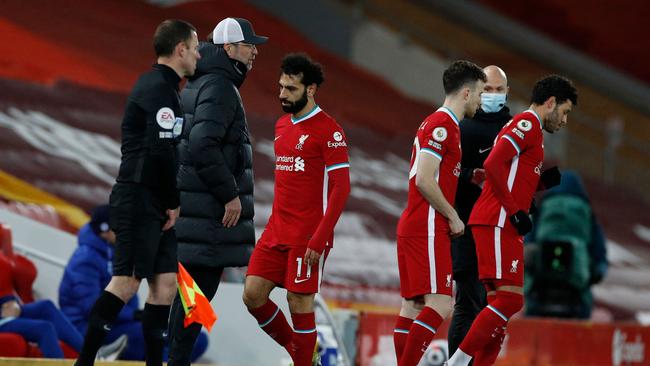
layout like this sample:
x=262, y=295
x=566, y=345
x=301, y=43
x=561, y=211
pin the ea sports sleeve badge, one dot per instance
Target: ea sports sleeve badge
x=171, y=126
x=165, y=118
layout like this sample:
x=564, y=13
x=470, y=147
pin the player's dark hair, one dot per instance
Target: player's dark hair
x=170, y=33
x=461, y=73
x=554, y=86
x=300, y=64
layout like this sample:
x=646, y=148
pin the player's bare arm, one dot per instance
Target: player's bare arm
x=428, y=166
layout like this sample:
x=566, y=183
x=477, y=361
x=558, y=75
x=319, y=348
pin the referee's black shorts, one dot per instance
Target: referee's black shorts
x=142, y=249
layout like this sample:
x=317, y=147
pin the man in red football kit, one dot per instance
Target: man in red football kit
x=500, y=218
x=312, y=184
x=429, y=221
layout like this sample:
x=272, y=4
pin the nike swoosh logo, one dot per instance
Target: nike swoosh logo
x=277, y=137
x=481, y=151
x=300, y=281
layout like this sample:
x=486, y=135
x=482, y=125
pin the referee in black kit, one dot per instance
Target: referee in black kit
x=477, y=136
x=144, y=201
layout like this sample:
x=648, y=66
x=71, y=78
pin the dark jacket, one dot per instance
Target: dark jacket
x=88, y=272
x=477, y=136
x=216, y=165
x=152, y=123
x=571, y=186
x=566, y=253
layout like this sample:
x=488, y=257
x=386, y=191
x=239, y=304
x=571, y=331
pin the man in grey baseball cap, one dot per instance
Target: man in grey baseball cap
x=231, y=30
x=237, y=37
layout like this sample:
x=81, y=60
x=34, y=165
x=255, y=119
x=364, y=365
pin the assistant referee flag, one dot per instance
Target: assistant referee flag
x=196, y=306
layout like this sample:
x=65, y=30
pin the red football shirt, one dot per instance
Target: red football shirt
x=438, y=135
x=306, y=149
x=523, y=134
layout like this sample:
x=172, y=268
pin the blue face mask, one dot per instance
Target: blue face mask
x=492, y=102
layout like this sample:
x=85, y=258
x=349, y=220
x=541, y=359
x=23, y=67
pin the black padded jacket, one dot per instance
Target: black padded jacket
x=216, y=165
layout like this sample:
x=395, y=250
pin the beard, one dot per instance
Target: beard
x=297, y=106
x=553, y=119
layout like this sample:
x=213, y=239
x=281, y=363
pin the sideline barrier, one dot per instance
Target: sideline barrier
x=534, y=342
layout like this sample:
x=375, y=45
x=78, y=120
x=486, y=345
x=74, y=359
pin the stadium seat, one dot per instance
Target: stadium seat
x=13, y=345
x=6, y=245
x=25, y=272
x=24, y=269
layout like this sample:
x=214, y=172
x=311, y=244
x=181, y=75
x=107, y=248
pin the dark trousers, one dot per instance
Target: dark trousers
x=470, y=300
x=182, y=339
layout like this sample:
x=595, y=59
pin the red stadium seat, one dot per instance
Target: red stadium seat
x=13, y=345
x=24, y=276
x=6, y=245
x=24, y=269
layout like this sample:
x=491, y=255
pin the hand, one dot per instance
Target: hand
x=550, y=177
x=311, y=257
x=522, y=222
x=456, y=226
x=10, y=309
x=172, y=215
x=478, y=176
x=233, y=211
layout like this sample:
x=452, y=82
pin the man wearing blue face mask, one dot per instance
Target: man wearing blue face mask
x=477, y=136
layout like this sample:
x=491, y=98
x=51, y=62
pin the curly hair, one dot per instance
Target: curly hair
x=554, y=86
x=300, y=64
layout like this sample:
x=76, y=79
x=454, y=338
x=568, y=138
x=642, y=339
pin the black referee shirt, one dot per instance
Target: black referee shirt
x=152, y=124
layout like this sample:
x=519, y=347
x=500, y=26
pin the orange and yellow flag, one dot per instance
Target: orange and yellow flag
x=196, y=306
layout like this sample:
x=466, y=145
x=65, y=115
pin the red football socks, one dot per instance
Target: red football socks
x=488, y=355
x=304, y=338
x=400, y=334
x=420, y=335
x=490, y=324
x=272, y=320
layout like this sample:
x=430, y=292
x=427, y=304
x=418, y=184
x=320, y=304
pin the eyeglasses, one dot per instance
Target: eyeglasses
x=251, y=46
